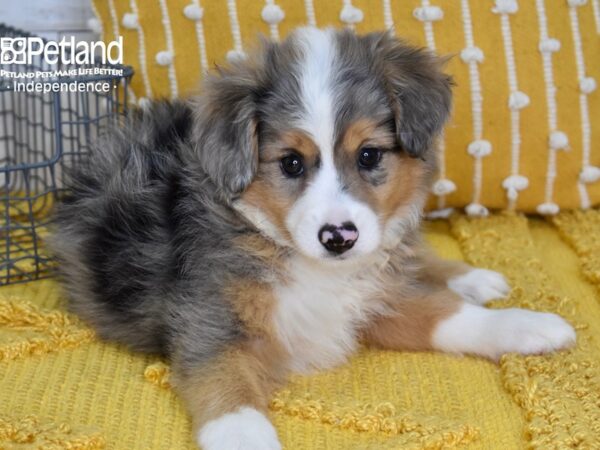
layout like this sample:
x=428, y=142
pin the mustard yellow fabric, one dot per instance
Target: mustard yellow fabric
x=61, y=388
x=221, y=26
x=582, y=231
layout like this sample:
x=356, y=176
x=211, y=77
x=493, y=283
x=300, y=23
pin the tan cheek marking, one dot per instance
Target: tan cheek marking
x=406, y=178
x=262, y=193
x=273, y=204
x=359, y=133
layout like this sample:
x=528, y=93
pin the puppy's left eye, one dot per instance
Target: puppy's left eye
x=369, y=157
x=292, y=165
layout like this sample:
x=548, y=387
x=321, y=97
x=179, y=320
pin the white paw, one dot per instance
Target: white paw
x=531, y=333
x=245, y=429
x=479, y=286
x=492, y=333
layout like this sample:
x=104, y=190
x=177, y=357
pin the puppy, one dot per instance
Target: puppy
x=271, y=223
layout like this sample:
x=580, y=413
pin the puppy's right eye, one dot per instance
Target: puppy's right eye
x=369, y=157
x=292, y=165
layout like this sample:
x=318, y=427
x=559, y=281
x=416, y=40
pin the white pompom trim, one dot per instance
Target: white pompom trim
x=164, y=58
x=479, y=148
x=549, y=45
x=439, y=213
x=518, y=182
x=589, y=174
x=587, y=85
x=518, y=100
x=443, y=187
x=428, y=13
x=505, y=7
x=130, y=21
x=94, y=24
x=235, y=56
x=548, y=209
x=272, y=14
x=351, y=14
x=471, y=54
x=476, y=210
x=558, y=140
x=514, y=184
x=144, y=102
x=193, y=12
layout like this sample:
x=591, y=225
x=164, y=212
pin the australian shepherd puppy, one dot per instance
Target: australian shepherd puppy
x=271, y=224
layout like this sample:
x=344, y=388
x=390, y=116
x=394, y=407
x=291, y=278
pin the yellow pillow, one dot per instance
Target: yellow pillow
x=525, y=131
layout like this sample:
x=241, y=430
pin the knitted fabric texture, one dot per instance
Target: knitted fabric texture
x=582, y=230
x=525, y=131
x=61, y=388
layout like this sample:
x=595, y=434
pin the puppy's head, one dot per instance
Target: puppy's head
x=325, y=141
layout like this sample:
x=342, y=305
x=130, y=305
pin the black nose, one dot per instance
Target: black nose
x=338, y=238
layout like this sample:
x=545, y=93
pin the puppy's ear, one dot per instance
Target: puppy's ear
x=420, y=92
x=226, y=126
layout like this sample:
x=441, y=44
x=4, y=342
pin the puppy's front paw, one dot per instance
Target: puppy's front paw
x=494, y=332
x=530, y=333
x=479, y=286
x=245, y=429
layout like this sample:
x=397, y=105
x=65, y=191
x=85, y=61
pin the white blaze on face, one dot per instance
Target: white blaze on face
x=324, y=201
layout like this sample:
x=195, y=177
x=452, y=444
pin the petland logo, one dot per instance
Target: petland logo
x=26, y=50
x=30, y=64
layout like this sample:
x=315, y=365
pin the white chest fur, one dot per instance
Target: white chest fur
x=320, y=309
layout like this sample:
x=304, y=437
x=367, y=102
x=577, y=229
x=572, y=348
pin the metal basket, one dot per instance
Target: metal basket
x=41, y=135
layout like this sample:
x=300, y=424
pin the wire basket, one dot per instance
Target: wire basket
x=41, y=135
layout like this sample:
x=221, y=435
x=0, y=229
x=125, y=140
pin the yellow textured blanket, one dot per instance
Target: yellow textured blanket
x=60, y=388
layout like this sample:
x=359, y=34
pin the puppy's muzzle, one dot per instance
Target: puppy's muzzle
x=338, y=239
